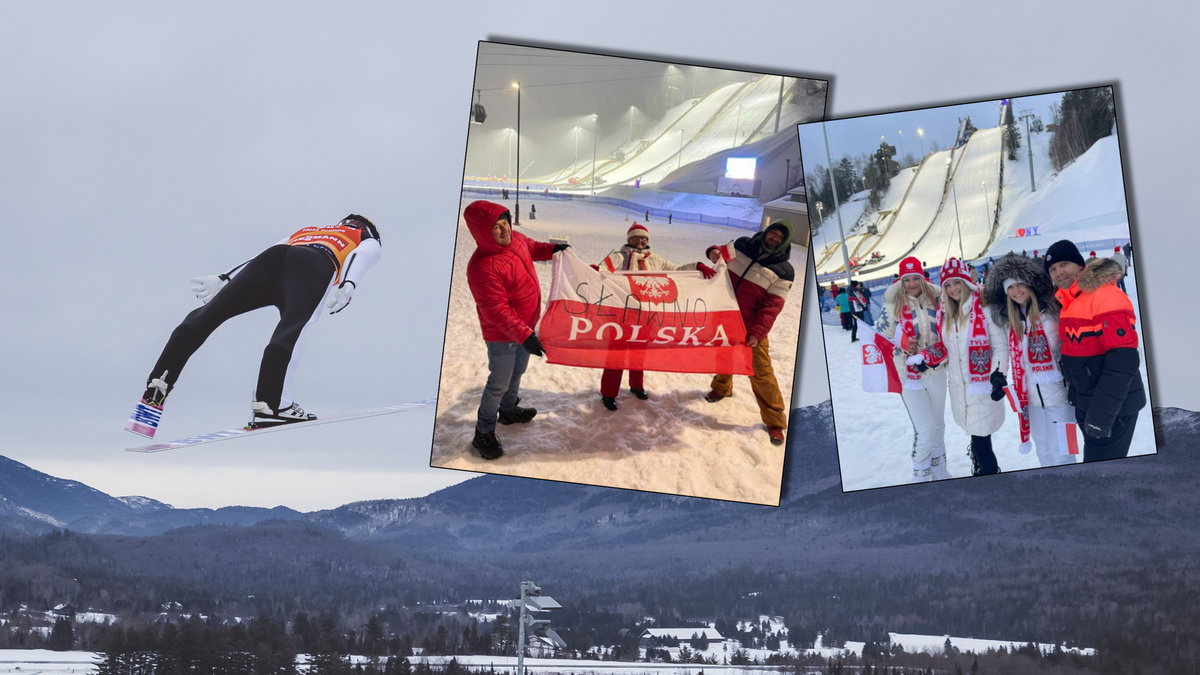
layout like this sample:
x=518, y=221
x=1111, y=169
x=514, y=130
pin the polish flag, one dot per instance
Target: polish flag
x=675, y=322
x=1067, y=438
x=878, y=367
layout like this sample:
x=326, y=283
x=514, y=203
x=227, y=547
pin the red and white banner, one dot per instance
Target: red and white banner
x=879, y=372
x=675, y=322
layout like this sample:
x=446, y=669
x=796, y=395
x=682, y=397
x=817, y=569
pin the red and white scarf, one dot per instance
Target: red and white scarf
x=1042, y=368
x=979, y=349
x=934, y=354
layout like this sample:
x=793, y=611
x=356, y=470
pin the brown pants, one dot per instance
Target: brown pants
x=764, y=385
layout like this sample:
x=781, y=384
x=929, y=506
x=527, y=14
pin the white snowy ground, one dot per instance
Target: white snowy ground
x=874, y=435
x=675, y=442
x=934, y=644
x=46, y=662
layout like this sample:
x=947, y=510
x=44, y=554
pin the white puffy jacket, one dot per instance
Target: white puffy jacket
x=977, y=414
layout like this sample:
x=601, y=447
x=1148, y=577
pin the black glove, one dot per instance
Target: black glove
x=1096, y=429
x=999, y=382
x=561, y=247
x=533, y=345
x=921, y=367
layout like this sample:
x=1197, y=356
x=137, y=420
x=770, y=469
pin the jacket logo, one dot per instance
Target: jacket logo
x=653, y=288
x=1078, y=335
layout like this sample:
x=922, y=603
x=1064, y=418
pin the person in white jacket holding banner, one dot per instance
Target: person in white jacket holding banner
x=1025, y=309
x=909, y=320
x=636, y=256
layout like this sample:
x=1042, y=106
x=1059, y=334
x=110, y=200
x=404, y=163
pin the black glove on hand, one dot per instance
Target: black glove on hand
x=999, y=382
x=561, y=247
x=533, y=345
x=1099, y=431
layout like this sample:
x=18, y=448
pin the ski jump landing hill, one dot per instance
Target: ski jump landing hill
x=674, y=168
x=945, y=206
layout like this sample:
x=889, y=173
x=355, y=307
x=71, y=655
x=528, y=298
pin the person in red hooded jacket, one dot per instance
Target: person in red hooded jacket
x=508, y=300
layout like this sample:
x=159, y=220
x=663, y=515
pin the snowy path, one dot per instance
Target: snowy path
x=676, y=442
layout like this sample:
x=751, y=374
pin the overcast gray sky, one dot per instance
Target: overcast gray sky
x=143, y=143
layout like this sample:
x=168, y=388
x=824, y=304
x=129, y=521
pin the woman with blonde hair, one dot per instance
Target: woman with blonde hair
x=1023, y=295
x=976, y=353
x=909, y=319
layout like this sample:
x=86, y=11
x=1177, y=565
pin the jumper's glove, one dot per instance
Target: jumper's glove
x=206, y=287
x=341, y=297
x=561, y=247
x=707, y=271
x=999, y=382
x=533, y=345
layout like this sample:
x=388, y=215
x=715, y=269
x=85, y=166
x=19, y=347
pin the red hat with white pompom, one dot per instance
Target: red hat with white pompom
x=637, y=230
x=955, y=269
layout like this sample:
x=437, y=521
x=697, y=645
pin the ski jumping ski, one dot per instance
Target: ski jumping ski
x=229, y=434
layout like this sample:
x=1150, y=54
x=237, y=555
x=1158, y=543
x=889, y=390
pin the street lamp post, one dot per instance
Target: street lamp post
x=575, y=164
x=957, y=224
x=921, y=135
x=517, y=215
x=837, y=211
x=595, y=123
x=737, y=128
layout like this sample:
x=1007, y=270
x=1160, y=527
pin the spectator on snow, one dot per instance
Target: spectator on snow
x=508, y=301
x=635, y=255
x=1021, y=296
x=1100, y=359
x=976, y=352
x=1121, y=260
x=909, y=319
x=761, y=277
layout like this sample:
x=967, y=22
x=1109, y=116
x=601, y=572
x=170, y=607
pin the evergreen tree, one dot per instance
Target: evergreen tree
x=62, y=636
x=1083, y=117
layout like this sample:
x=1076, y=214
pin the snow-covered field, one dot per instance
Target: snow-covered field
x=46, y=662
x=675, y=442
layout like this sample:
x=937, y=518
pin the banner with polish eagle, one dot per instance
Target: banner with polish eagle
x=879, y=372
x=676, y=322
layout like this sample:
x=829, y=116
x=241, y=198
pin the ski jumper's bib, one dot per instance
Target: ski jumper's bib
x=338, y=241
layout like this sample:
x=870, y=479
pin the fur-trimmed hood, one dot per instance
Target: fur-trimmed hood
x=1099, y=272
x=1025, y=270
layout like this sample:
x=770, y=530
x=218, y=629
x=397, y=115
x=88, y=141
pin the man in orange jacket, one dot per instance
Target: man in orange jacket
x=1100, y=360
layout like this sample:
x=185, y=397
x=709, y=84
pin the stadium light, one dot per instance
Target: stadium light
x=532, y=600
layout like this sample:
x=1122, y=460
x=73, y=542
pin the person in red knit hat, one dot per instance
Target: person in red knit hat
x=635, y=256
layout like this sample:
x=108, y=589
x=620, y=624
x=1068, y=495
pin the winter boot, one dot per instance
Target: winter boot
x=263, y=415
x=639, y=394
x=937, y=464
x=922, y=473
x=776, y=435
x=609, y=402
x=714, y=396
x=983, y=459
x=487, y=445
x=516, y=414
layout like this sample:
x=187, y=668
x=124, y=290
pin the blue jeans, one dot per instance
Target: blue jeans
x=506, y=365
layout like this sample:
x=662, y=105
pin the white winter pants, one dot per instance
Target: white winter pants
x=1043, y=431
x=927, y=411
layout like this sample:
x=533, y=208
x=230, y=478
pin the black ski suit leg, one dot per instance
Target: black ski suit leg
x=248, y=290
x=301, y=285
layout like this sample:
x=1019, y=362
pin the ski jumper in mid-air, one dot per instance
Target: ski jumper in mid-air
x=294, y=276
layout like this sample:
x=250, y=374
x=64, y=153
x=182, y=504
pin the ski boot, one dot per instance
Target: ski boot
x=148, y=412
x=263, y=415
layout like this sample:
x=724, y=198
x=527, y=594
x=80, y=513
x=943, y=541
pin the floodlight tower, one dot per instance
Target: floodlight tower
x=532, y=600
